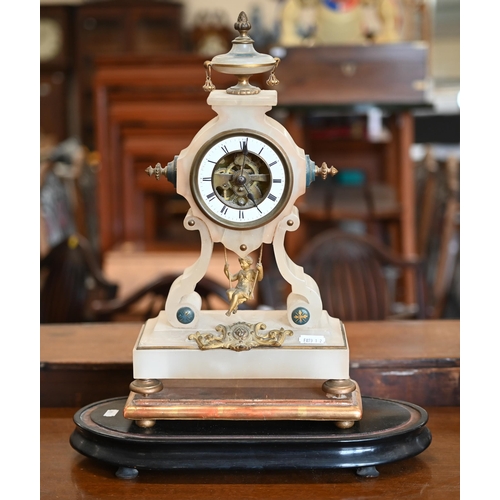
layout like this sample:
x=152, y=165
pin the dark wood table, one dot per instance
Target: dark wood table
x=433, y=474
x=416, y=361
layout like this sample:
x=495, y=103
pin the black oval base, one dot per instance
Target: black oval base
x=389, y=431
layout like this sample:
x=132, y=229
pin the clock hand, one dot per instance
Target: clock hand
x=244, y=150
x=258, y=177
x=251, y=197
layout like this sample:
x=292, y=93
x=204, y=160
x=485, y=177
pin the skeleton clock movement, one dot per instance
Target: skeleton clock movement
x=256, y=369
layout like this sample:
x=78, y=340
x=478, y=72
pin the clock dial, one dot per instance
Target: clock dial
x=241, y=180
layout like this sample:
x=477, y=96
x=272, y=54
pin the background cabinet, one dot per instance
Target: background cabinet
x=328, y=96
x=115, y=28
x=55, y=71
x=147, y=110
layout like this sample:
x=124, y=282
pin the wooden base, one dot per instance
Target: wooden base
x=389, y=431
x=243, y=400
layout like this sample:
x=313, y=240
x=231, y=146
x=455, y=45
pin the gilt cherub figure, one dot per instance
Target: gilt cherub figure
x=246, y=278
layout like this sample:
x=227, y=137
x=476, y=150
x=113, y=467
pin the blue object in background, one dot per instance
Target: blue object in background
x=351, y=177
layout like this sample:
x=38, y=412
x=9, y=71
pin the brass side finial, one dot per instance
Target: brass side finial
x=242, y=24
x=157, y=171
x=324, y=171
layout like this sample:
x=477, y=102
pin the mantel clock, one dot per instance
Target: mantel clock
x=242, y=174
x=259, y=371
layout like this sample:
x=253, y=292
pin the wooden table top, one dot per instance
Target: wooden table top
x=433, y=474
x=370, y=342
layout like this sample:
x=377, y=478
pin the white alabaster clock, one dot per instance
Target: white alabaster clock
x=241, y=388
x=238, y=388
x=242, y=175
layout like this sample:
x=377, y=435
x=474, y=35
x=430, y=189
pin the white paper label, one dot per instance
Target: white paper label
x=312, y=339
x=111, y=413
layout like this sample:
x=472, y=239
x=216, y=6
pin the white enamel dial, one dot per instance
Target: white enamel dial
x=241, y=179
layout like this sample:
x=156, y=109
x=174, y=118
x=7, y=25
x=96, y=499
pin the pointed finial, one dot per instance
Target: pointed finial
x=242, y=61
x=242, y=24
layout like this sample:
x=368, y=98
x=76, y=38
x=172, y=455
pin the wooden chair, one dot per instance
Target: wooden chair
x=356, y=278
x=438, y=229
x=71, y=279
x=75, y=290
x=448, y=255
x=148, y=300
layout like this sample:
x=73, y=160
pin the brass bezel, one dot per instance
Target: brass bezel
x=243, y=225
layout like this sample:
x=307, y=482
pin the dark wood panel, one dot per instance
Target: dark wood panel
x=53, y=109
x=432, y=386
x=425, y=386
x=116, y=28
x=80, y=387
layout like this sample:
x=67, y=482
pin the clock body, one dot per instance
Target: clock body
x=242, y=198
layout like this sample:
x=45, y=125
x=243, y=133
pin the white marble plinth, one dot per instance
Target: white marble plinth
x=165, y=352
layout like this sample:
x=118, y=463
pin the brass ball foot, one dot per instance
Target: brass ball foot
x=344, y=424
x=145, y=423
